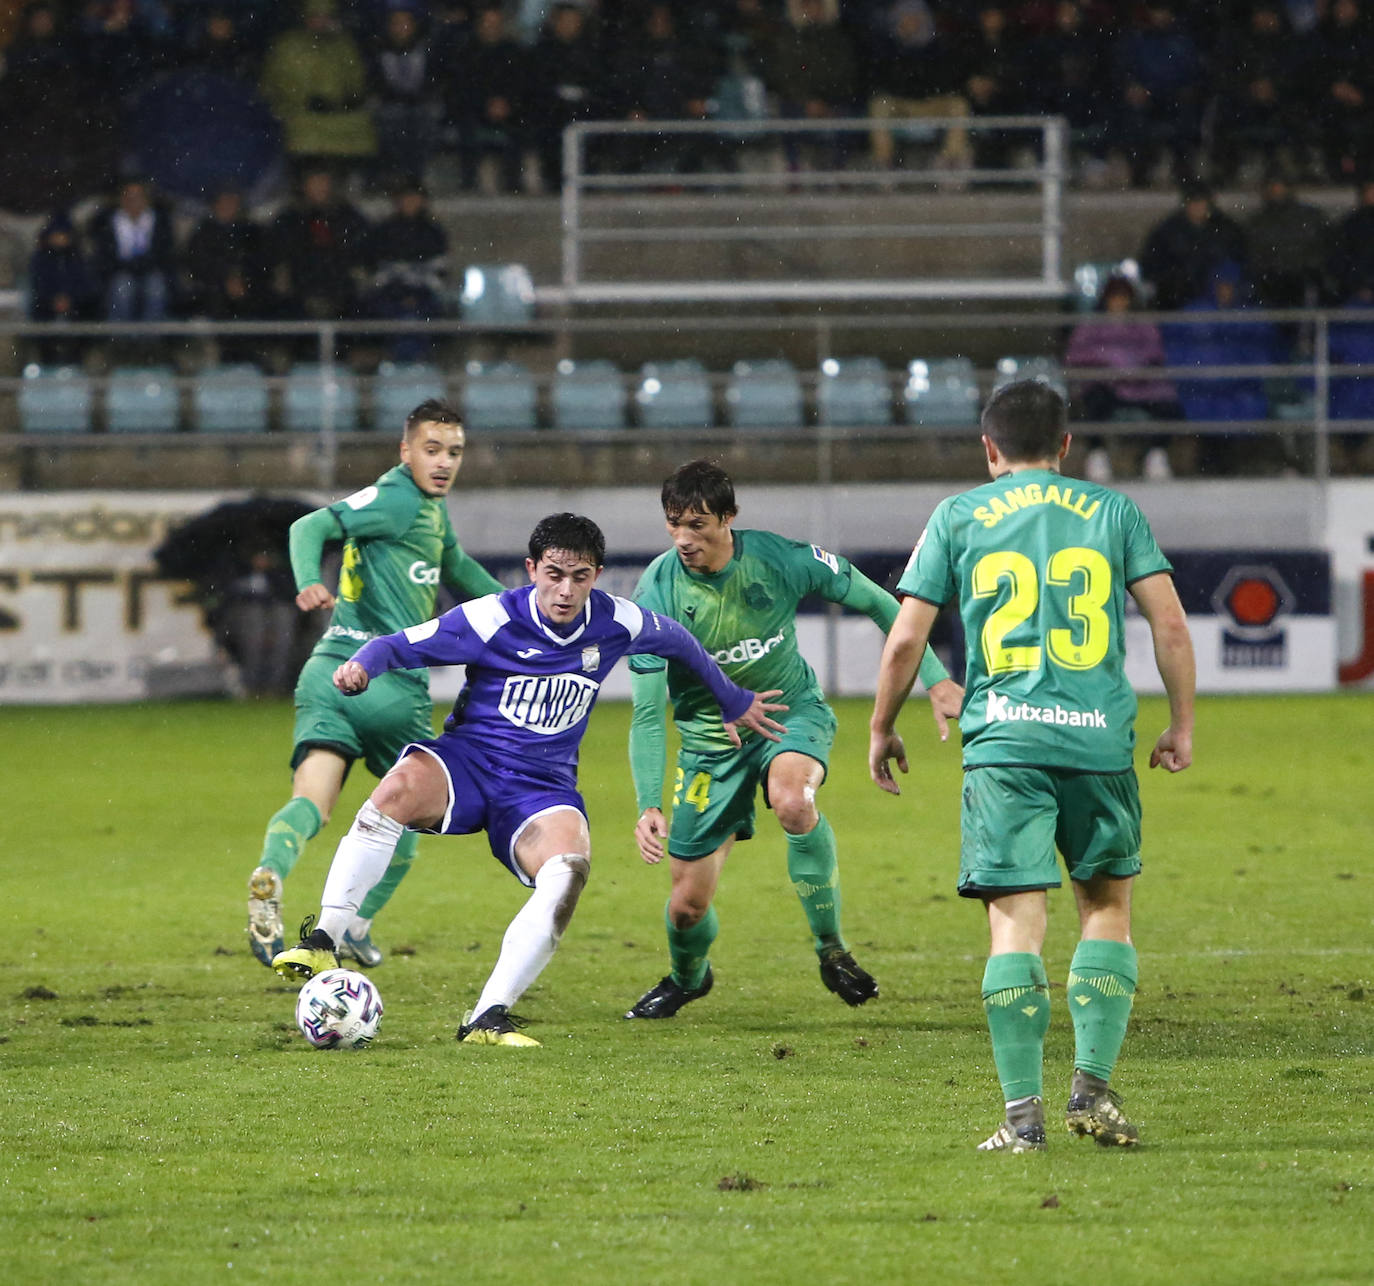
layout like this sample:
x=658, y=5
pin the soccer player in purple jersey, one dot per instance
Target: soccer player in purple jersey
x=507, y=760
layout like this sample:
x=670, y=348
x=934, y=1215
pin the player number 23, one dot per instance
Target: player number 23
x=698, y=793
x=1078, y=647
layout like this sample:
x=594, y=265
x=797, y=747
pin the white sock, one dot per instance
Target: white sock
x=533, y=935
x=359, y=928
x=360, y=861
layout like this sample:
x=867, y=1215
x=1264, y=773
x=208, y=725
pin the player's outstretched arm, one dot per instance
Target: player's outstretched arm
x=1158, y=602
x=906, y=642
x=663, y=636
x=756, y=718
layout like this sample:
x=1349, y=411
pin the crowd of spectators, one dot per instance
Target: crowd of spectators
x=1199, y=260
x=319, y=259
x=381, y=87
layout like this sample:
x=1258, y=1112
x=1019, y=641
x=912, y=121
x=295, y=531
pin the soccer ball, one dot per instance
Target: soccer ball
x=339, y=1009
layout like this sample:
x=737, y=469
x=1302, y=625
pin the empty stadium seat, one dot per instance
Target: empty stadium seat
x=142, y=399
x=942, y=392
x=399, y=387
x=853, y=392
x=55, y=399
x=313, y=389
x=1045, y=369
x=588, y=395
x=499, y=395
x=675, y=395
x=496, y=294
x=230, y=399
x=764, y=395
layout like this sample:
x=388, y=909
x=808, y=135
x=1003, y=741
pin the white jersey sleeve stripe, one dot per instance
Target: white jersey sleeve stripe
x=419, y=633
x=628, y=615
x=486, y=615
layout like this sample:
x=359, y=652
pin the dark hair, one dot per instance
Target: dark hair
x=571, y=533
x=1026, y=421
x=698, y=485
x=433, y=410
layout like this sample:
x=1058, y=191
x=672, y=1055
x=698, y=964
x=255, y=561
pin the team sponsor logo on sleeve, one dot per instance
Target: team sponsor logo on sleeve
x=826, y=557
x=361, y=499
x=419, y=633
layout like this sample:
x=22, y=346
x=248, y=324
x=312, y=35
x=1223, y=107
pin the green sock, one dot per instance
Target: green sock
x=1101, y=987
x=292, y=825
x=689, y=949
x=1016, y=996
x=380, y=893
x=815, y=874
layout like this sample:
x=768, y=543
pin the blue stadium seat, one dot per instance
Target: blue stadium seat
x=142, y=399
x=399, y=387
x=675, y=395
x=853, y=392
x=941, y=393
x=1352, y=396
x=55, y=399
x=1223, y=342
x=588, y=395
x=311, y=389
x=230, y=399
x=1047, y=370
x=496, y=294
x=499, y=395
x=764, y=395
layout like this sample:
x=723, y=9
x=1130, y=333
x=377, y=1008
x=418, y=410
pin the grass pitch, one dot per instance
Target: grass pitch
x=163, y=1122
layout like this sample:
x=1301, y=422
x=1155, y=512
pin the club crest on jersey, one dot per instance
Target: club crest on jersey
x=591, y=659
x=757, y=598
x=826, y=557
x=547, y=704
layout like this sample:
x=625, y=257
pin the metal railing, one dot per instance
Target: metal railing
x=780, y=220
x=813, y=450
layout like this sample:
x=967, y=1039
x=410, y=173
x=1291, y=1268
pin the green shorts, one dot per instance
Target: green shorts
x=1013, y=819
x=373, y=726
x=713, y=795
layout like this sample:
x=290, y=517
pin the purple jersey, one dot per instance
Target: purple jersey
x=530, y=687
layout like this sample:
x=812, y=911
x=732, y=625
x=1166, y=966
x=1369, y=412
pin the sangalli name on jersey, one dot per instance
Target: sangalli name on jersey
x=1025, y=497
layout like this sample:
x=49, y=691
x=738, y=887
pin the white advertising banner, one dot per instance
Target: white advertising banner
x=83, y=615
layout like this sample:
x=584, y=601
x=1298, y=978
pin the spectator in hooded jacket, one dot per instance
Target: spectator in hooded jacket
x=61, y=286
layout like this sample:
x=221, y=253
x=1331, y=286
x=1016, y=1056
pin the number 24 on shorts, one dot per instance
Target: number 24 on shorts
x=698, y=793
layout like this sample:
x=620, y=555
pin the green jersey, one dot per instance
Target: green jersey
x=398, y=546
x=1040, y=564
x=745, y=616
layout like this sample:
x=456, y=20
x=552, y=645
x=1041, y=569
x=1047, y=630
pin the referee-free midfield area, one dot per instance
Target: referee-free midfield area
x=164, y=1122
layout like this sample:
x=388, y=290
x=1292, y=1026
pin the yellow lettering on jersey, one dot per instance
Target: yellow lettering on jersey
x=999, y=507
